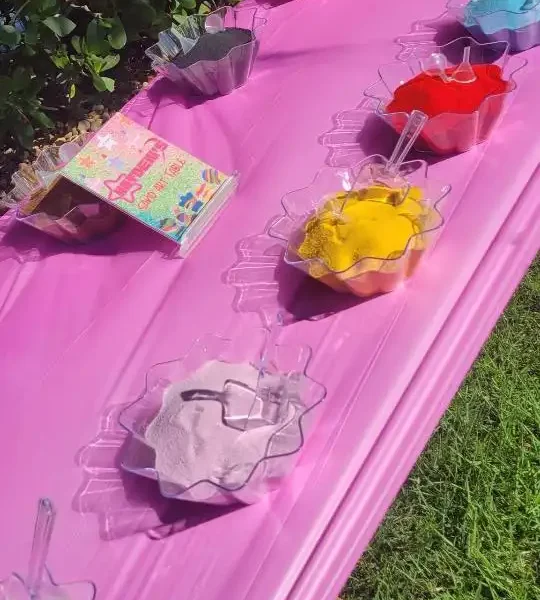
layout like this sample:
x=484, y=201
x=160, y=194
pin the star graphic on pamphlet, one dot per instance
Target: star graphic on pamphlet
x=116, y=162
x=128, y=195
x=106, y=141
x=135, y=141
x=86, y=161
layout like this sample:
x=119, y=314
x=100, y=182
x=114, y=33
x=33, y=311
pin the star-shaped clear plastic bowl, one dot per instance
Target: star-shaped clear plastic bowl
x=283, y=447
x=78, y=217
x=450, y=132
x=370, y=275
x=209, y=77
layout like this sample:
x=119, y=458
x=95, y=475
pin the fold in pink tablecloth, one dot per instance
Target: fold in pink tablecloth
x=79, y=328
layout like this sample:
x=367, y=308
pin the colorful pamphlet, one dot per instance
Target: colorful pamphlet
x=138, y=172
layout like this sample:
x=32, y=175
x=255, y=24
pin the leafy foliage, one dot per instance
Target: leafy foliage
x=63, y=44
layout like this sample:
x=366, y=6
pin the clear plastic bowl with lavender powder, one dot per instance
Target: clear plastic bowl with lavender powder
x=262, y=455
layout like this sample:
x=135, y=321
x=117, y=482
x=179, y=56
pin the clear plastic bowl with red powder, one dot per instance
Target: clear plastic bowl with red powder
x=461, y=115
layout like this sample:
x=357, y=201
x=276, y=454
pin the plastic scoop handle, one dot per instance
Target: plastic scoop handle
x=270, y=409
x=40, y=546
x=409, y=135
x=269, y=343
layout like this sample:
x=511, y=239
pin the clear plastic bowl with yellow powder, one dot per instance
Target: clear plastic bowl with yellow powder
x=356, y=234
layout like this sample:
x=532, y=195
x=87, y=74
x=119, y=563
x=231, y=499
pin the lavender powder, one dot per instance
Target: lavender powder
x=192, y=443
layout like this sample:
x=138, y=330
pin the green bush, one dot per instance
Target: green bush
x=56, y=47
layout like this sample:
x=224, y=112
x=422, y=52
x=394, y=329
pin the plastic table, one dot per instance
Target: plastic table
x=80, y=327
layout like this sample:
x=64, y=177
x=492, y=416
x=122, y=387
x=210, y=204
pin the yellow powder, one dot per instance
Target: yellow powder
x=365, y=223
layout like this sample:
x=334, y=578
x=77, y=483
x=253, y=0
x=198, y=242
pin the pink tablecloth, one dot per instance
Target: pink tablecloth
x=80, y=328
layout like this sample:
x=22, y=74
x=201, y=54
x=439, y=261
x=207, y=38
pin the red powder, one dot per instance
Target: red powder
x=431, y=95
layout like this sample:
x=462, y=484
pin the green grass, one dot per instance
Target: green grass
x=467, y=524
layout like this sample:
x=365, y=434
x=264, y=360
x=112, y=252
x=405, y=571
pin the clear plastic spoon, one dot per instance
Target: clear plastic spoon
x=408, y=137
x=388, y=173
x=40, y=546
x=39, y=584
x=248, y=406
x=267, y=402
x=271, y=388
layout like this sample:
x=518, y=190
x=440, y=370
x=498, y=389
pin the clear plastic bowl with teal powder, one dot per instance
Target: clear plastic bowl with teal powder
x=514, y=21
